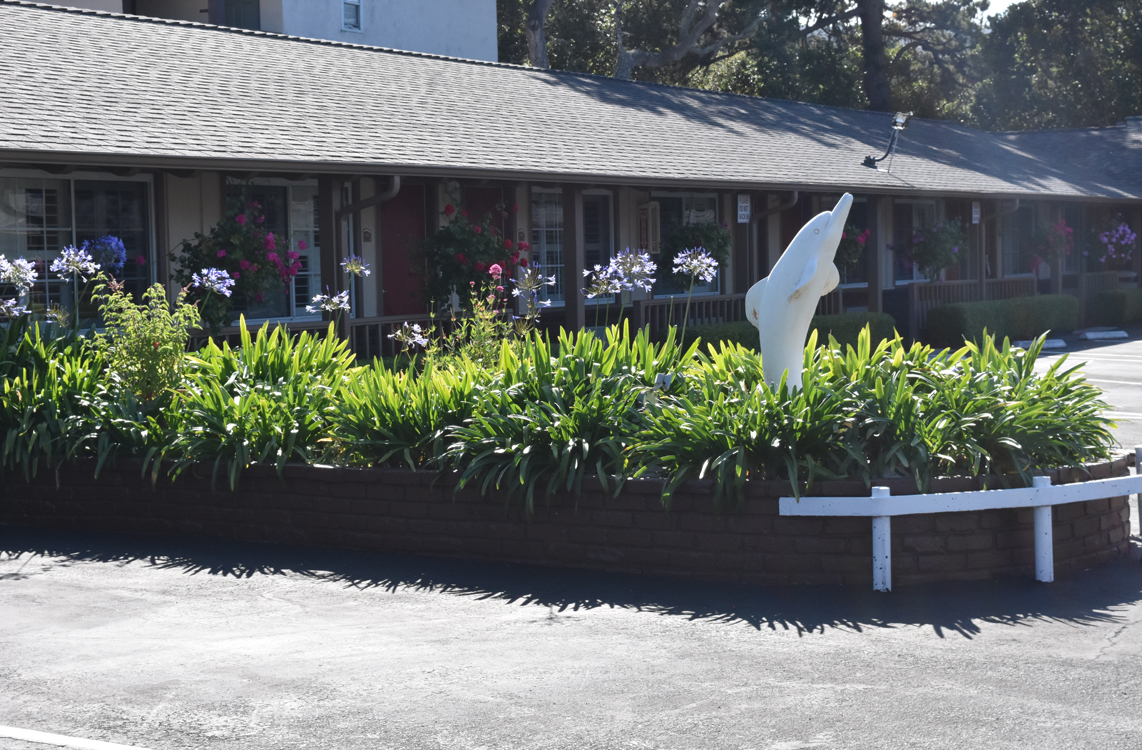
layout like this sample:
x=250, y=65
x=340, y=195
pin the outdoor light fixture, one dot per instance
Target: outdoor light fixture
x=899, y=122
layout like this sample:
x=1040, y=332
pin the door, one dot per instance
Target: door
x=401, y=228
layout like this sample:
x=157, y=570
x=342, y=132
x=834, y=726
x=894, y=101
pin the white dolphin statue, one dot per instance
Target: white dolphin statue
x=781, y=305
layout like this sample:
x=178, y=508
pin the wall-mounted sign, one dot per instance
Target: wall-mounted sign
x=975, y=212
x=743, y=208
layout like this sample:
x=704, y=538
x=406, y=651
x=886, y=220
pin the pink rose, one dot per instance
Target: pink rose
x=234, y=274
x=271, y=244
x=449, y=210
x=523, y=262
x=140, y=260
x=477, y=229
x=221, y=253
x=260, y=219
x=258, y=297
x=523, y=245
x=241, y=219
x=508, y=244
x=480, y=266
x=243, y=264
x=272, y=257
x=292, y=255
x=301, y=245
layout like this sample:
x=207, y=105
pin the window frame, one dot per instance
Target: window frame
x=663, y=272
x=360, y=27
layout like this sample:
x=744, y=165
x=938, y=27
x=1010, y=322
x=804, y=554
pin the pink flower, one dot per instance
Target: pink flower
x=477, y=229
x=517, y=208
x=499, y=289
x=272, y=257
x=301, y=245
x=260, y=219
x=234, y=274
x=221, y=253
x=253, y=204
x=293, y=270
x=464, y=214
x=243, y=264
x=471, y=283
x=258, y=297
x=140, y=260
x=449, y=210
x=292, y=255
x=295, y=267
x=480, y=266
x=496, y=270
x=271, y=244
x=254, y=267
x=241, y=219
x=524, y=245
x=509, y=244
x=523, y=262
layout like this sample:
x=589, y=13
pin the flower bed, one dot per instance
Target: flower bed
x=413, y=512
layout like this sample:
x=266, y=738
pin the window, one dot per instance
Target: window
x=908, y=219
x=1015, y=235
x=547, y=238
x=291, y=211
x=243, y=14
x=351, y=15
x=39, y=217
x=683, y=210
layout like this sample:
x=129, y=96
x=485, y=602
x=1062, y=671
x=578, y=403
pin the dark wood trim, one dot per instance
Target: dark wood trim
x=328, y=201
x=574, y=303
x=876, y=241
x=161, y=211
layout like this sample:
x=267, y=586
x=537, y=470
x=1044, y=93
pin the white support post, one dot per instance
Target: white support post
x=881, y=546
x=1044, y=537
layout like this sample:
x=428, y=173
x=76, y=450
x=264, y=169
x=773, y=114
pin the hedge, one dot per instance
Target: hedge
x=845, y=328
x=1018, y=318
x=1118, y=307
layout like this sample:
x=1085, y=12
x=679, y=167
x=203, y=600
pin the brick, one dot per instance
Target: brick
x=1117, y=535
x=441, y=545
x=924, y=523
x=386, y=525
x=605, y=554
x=630, y=537
x=675, y=539
x=847, y=526
x=546, y=532
x=941, y=563
x=989, y=559
x=586, y=535
x=845, y=563
x=924, y=543
x=785, y=526
x=654, y=520
x=1024, y=538
x=794, y=563
x=946, y=522
x=819, y=579
x=1108, y=521
x=408, y=509
x=426, y=527
x=693, y=561
x=820, y=545
x=1067, y=512
x=702, y=522
x=769, y=544
x=970, y=542
x=1085, y=526
x=1097, y=507
x=750, y=525
x=522, y=549
x=649, y=559
x=612, y=518
x=714, y=542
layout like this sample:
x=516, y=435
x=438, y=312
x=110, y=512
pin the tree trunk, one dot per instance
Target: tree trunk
x=536, y=36
x=875, y=60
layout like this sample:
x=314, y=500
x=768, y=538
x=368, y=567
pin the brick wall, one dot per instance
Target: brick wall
x=402, y=511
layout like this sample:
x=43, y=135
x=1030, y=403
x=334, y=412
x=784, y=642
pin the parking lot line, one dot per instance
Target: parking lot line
x=59, y=740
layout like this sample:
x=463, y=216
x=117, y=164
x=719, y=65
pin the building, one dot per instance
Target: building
x=456, y=28
x=141, y=126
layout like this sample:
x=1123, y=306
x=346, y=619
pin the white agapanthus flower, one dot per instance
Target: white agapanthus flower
x=696, y=262
x=74, y=261
x=19, y=273
x=329, y=303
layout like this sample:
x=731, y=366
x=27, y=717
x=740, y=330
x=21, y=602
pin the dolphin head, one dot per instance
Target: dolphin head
x=834, y=225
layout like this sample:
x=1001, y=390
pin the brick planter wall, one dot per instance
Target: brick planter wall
x=403, y=511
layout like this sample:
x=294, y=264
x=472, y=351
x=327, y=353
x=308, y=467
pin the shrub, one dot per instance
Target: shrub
x=845, y=328
x=145, y=344
x=1118, y=307
x=1020, y=317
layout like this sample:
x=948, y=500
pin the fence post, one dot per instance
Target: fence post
x=1044, y=537
x=881, y=546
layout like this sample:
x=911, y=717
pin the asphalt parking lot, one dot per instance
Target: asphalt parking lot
x=170, y=643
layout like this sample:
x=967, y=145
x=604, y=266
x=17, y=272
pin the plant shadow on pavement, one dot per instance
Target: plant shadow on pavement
x=1085, y=598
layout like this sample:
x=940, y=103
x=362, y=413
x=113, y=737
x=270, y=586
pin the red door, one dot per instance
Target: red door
x=401, y=223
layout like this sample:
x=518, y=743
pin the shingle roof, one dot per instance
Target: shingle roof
x=122, y=90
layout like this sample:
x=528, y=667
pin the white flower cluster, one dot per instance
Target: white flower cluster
x=329, y=303
x=74, y=261
x=628, y=270
x=19, y=273
x=696, y=262
x=410, y=335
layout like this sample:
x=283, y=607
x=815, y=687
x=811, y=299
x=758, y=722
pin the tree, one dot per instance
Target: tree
x=699, y=37
x=1059, y=63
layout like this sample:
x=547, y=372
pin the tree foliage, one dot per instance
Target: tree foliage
x=1042, y=63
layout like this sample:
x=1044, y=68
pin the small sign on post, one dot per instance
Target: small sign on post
x=743, y=208
x=975, y=212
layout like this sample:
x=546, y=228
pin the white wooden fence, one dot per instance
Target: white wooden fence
x=1041, y=496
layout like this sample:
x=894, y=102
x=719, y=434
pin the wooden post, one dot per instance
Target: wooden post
x=881, y=546
x=332, y=239
x=575, y=310
x=877, y=247
x=162, y=231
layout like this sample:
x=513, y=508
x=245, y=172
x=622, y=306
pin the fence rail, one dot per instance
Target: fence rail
x=369, y=337
x=659, y=314
x=1041, y=496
